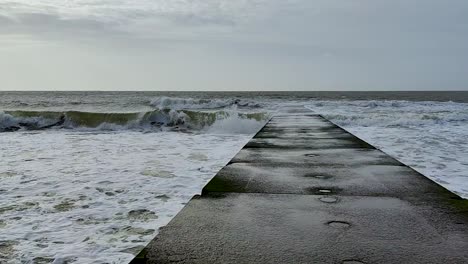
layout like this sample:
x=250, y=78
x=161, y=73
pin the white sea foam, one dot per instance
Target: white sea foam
x=235, y=125
x=99, y=197
x=97, y=188
x=165, y=102
x=428, y=136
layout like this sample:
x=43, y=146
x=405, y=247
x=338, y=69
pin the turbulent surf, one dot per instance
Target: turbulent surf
x=152, y=120
x=89, y=177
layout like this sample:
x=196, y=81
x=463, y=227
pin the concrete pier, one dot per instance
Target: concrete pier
x=304, y=190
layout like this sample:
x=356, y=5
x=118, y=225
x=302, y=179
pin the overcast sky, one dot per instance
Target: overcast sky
x=234, y=45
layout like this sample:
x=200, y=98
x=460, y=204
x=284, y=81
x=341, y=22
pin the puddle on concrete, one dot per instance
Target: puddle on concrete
x=322, y=190
x=318, y=176
x=329, y=199
x=352, y=262
x=339, y=224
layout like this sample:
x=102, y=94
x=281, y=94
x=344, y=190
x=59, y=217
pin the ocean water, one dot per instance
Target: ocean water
x=89, y=177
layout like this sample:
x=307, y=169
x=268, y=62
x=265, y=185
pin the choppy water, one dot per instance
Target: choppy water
x=90, y=177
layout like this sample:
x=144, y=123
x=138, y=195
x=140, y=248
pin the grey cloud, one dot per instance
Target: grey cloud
x=5, y=21
x=130, y=15
x=339, y=44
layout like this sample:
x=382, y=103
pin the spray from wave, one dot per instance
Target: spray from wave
x=176, y=103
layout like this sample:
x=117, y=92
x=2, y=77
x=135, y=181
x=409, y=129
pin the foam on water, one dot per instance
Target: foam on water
x=99, y=197
x=95, y=188
x=428, y=136
x=165, y=102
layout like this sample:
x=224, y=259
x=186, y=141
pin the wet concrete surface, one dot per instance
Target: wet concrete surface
x=314, y=157
x=376, y=180
x=305, y=191
x=274, y=228
x=306, y=143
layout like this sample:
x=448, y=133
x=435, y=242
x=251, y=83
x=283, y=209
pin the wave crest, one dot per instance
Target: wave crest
x=163, y=119
x=176, y=103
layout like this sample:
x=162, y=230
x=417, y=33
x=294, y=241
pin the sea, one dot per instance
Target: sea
x=89, y=177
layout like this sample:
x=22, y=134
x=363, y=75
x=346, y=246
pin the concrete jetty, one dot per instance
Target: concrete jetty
x=303, y=190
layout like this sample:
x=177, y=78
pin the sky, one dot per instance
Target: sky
x=221, y=45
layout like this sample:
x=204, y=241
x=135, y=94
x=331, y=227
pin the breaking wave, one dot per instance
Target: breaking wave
x=161, y=119
x=165, y=102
